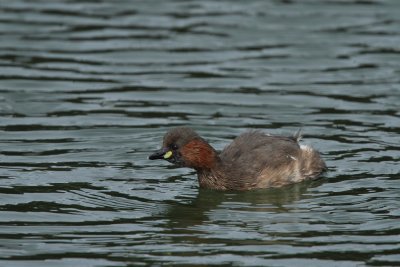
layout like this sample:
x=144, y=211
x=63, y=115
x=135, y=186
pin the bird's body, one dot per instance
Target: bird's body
x=253, y=160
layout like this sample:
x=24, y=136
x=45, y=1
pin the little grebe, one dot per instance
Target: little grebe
x=253, y=160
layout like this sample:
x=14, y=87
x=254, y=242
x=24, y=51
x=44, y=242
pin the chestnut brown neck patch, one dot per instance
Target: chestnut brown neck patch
x=198, y=154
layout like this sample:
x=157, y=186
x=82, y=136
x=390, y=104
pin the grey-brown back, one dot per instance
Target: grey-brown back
x=253, y=151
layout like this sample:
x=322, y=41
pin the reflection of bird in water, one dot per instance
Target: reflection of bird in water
x=199, y=210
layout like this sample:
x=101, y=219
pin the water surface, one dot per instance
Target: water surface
x=88, y=88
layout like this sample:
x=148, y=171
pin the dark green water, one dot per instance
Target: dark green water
x=88, y=88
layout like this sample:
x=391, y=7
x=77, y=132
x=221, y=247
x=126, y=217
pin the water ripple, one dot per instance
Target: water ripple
x=88, y=89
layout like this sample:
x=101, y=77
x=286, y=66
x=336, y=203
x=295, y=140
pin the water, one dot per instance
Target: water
x=88, y=88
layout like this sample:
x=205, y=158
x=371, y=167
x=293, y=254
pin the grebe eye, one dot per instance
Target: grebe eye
x=174, y=146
